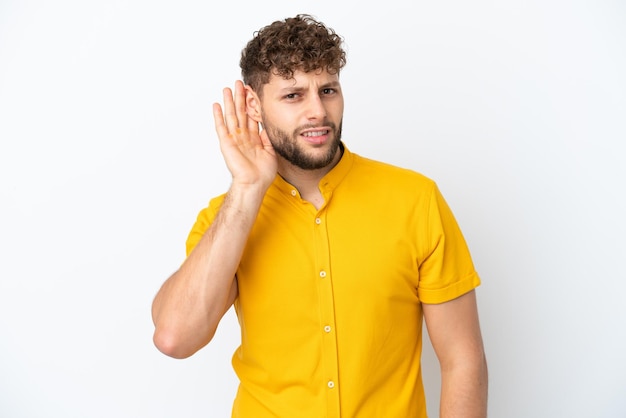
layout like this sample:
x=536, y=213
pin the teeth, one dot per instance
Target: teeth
x=318, y=133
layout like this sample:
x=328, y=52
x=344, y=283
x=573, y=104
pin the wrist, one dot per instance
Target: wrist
x=246, y=195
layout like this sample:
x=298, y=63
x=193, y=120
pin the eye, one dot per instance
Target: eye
x=291, y=96
x=328, y=91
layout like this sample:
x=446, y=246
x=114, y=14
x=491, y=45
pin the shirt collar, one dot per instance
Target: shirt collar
x=335, y=176
x=331, y=180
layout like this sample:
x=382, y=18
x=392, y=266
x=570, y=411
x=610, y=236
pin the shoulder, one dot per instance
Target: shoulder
x=381, y=174
x=208, y=213
x=205, y=218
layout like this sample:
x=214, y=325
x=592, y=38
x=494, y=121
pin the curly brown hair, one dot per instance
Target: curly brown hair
x=296, y=43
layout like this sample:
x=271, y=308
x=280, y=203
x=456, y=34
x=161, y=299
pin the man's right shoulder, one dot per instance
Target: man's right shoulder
x=204, y=219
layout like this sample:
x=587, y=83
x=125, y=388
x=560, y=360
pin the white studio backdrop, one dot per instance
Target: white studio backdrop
x=107, y=152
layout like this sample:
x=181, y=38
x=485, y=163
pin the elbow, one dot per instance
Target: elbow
x=168, y=344
x=470, y=363
x=173, y=345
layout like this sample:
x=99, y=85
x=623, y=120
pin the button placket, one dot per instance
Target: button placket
x=323, y=272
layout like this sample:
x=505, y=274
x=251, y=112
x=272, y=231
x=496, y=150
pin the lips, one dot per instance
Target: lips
x=316, y=136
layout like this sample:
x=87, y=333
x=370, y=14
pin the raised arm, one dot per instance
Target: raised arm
x=454, y=331
x=190, y=304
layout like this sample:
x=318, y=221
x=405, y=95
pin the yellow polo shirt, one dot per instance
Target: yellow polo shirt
x=329, y=299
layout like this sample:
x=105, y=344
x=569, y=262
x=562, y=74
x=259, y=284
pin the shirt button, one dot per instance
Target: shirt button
x=293, y=193
x=327, y=328
x=318, y=221
x=322, y=273
x=331, y=384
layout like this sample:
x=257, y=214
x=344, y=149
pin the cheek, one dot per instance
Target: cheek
x=274, y=115
x=283, y=123
x=341, y=106
x=336, y=110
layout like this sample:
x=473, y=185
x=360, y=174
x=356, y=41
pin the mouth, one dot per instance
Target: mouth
x=316, y=136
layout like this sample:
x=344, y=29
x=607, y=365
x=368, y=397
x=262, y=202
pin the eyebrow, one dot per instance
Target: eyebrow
x=298, y=89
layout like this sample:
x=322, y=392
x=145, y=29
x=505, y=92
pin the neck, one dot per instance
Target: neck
x=307, y=181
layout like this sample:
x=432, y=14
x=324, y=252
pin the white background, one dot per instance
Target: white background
x=516, y=108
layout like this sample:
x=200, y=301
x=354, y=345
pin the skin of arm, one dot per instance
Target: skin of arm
x=191, y=302
x=454, y=331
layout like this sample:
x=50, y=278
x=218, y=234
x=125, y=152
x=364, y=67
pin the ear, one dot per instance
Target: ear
x=253, y=104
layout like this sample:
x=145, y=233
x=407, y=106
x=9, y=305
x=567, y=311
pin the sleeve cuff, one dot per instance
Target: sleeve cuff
x=434, y=296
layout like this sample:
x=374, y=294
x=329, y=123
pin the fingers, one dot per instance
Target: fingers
x=240, y=105
x=218, y=117
x=232, y=124
x=230, y=114
x=235, y=107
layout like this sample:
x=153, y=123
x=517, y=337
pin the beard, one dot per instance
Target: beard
x=287, y=146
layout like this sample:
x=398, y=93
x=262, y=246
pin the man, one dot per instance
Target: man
x=330, y=259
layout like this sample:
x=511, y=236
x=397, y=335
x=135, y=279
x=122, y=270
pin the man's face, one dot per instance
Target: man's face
x=302, y=116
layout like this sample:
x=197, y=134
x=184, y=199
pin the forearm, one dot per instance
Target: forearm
x=190, y=304
x=464, y=389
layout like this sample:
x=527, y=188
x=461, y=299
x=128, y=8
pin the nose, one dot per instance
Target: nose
x=315, y=108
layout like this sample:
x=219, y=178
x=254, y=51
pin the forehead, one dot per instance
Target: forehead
x=302, y=79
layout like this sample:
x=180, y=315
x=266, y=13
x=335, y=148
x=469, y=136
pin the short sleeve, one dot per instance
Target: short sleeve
x=446, y=270
x=203, y=221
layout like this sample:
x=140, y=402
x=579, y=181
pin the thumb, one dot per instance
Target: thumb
x=265, y=140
